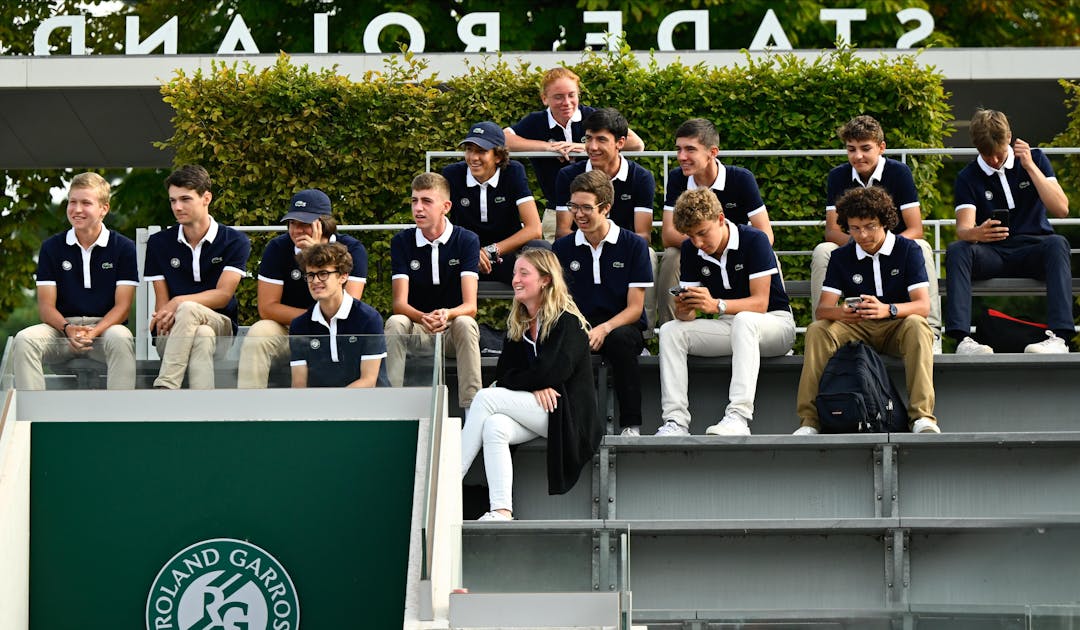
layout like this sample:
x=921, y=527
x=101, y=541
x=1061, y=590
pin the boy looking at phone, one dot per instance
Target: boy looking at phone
x=1003, y=200
x=729, y=271
x=883, y=279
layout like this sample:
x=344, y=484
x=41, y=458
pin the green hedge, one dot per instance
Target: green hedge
x=264, y=134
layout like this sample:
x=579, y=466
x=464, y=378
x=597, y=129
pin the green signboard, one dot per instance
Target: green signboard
x=220, y=525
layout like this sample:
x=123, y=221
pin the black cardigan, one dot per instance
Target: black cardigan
x=564, y=364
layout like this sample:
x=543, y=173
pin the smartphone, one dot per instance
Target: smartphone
x=852, y=302
x=1002, y=215
x=677, y=290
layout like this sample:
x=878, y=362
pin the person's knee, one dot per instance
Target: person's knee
x=822, y=253
x=398, y=325
x=671, y=334
x=745, y=322
x=956, y=253
x=917, y=325
x=264, y=328
x=497, y=428
x=1057, y=243
x=186, y=310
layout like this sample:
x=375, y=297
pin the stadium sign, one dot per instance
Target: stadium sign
x=479, y=31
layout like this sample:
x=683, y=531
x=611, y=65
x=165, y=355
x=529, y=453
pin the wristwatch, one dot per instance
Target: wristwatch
x=721, y=307
x=892, y=311
x=492, y=251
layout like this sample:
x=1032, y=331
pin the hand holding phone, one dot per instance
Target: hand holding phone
x=677, y=291
x=1001, y=215
x=852, y=302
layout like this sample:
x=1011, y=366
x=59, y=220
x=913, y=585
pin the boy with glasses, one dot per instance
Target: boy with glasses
x=607, y=269
x=338, y=342
x=883, y=276
x=282, y=293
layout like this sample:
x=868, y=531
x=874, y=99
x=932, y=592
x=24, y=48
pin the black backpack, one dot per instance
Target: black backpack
x=856, y=394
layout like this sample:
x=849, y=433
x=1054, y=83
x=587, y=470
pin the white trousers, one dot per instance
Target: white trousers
x=498, y=418
x=43, y=343
x=745, y=336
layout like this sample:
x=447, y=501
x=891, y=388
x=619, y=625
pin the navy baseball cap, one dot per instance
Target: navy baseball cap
x=486, y=135
x=307, y=206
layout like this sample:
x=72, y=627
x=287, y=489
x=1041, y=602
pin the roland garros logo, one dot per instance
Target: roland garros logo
x=222, y=584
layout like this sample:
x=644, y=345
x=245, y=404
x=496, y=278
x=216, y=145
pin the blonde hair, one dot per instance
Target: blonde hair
x=555, y=298
x=94, y=183
x=989, y=130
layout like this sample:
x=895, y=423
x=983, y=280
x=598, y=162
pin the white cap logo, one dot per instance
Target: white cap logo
x=300, y=203
x=478, y=131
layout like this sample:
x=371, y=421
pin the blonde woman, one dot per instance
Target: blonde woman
x=544, y=387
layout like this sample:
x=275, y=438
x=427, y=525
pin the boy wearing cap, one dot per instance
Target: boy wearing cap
x=86, y=279
x=283, y=294
x=195, y=267
x=491, y=198
x=338, y=342
x=435, y=268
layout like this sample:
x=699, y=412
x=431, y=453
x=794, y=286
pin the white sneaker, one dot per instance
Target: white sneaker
x=495, y=516
x=969, y=346
x=672, y=428
x=806, y=431
x=925, y=425
x=1051, y=345
x=937, y=344
x=630, y=432
x=730, y=425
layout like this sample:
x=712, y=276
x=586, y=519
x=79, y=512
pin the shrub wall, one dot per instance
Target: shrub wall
x=264, y=134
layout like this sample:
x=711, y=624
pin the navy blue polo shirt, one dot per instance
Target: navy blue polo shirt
x=332, y=351
x=170, y=258
x=434, y=270
x=735, y=187
x=981, y=187
x=747, y=255
x=490, y=210
x=86, y=280
x=541, y=126
x=893, y=176
x=890, y=275
x=599, y=278
x=278, y=266
x=634, y=187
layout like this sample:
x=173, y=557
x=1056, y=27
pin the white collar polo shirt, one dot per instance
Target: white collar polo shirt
x=891, y=274
x=1010, y=187
x=86, y=278
x=746, y=256
x=895, y=177
x=187, y=270
x=278, y=266
x=333, y=350
x=599, y=277
x=635, y=191
x=489, y=209
x=434, y=268
x=541, y=125
x=734, y=186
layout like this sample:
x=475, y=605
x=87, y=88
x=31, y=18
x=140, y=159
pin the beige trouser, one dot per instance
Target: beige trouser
x=909, y=338
x=43, y=343
x=819, y=263
x=667, y=277
x=652, y=295
x=190, y=347
x=404, y=336
x=266, y=343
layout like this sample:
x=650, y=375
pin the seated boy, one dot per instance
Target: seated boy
x=338, y=342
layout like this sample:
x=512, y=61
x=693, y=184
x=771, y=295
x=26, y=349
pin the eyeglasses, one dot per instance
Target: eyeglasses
x=582, y=208
x=867, y=229
x=322, y=275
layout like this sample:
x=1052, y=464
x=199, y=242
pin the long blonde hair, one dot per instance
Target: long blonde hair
x=554, y=299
